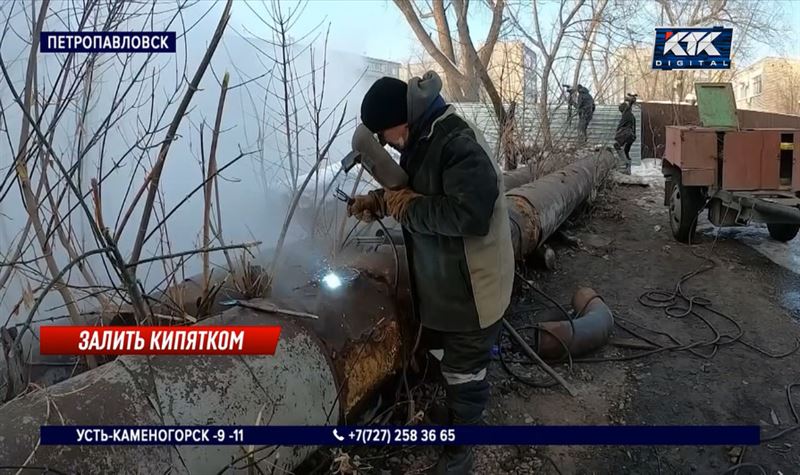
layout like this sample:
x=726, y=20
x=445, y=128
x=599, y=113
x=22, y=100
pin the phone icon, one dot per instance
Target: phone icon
x=338, y=437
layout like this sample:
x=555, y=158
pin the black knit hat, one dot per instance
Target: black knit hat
x=384, y=105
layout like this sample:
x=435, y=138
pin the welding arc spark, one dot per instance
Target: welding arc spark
x=332, y=280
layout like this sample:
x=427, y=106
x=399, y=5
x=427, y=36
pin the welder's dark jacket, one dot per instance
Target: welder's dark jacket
x=457, y=235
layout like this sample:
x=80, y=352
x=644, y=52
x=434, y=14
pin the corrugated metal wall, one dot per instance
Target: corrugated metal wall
x=601, y=129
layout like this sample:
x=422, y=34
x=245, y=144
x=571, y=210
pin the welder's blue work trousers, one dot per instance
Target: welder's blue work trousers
x=464, y=358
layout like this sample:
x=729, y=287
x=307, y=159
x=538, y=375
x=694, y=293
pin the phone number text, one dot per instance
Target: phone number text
x=402, y=436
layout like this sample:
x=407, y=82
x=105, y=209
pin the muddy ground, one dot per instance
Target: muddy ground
x=626, y=249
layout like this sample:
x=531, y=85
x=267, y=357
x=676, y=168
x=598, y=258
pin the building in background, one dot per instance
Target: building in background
x=771, y=84
x=512, y=68
x=378, y=68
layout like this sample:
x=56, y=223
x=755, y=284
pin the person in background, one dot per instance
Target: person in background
x=626, y=133
x=457, y=238
x=586, y=108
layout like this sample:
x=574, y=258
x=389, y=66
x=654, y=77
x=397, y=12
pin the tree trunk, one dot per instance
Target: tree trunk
x=588, y=41
x=544, y=113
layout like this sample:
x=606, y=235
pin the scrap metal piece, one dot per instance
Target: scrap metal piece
x=589, y=331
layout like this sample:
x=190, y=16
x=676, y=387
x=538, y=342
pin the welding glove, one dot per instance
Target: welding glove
x=368, y=207
x=397, y=202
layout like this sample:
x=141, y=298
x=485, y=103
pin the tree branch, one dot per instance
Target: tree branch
x=195, y=251
x=449, y=67
x=487, y=49
x=443, y=30
x=155, y=175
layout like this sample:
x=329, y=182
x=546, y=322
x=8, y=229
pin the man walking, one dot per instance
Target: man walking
x=586, y=108
x=457, y=237
x=626, y=133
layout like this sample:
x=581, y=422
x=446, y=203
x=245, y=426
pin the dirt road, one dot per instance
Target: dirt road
x=627, y=250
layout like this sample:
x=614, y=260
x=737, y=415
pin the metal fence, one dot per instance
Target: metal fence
x=601, y=129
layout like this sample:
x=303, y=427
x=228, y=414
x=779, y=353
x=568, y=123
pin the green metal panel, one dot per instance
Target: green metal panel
x=716, y=104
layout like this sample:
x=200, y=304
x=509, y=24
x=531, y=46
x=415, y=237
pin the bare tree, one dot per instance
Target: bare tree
x=289, y=89
x=549, y=49
x=589, y=34
x=50, y=174
x=464, y=70
x=754, y=22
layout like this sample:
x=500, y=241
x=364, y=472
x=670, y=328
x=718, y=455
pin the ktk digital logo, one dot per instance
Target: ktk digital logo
x=692, y=48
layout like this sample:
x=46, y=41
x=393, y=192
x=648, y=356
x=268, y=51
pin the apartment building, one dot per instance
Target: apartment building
x=771, y=84
x=512, y=68
x=377, y=68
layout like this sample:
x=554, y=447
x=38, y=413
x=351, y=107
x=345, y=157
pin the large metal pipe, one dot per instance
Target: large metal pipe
x=538, y=209
x=321, y=367
x=321, y=372
x=518, y=177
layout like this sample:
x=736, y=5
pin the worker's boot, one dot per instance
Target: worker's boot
x=439, y=415
x=620, y=166
x=467, y=402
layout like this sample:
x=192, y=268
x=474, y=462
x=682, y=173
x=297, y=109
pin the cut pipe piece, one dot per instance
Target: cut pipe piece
x=592, y=328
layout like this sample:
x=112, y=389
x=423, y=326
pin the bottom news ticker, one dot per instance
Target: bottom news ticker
x=418, y=435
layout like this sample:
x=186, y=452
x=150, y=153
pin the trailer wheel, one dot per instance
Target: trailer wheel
x=783, y=232
x=685, y=204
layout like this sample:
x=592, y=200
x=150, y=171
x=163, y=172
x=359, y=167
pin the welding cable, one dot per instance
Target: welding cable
x=529, y=381
x=736, y=467
x=793, y=410
x=526, y=381
x=396, y=257
x=569, y=317
x=408, y=355
x=551, y=299
x=668, y=302
x=347, y=237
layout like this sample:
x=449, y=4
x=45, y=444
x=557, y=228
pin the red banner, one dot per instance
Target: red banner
x=146, y=340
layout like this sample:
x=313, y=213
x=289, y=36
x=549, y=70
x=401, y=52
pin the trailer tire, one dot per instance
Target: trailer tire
x=783, y=232
x=685, y=204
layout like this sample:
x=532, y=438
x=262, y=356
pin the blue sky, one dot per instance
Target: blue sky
x=376, y=28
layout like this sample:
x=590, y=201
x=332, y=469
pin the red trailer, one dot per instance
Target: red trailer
x=741, y=176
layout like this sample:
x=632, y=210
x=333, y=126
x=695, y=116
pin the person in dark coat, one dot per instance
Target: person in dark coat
x=626, y=133
x=586, y=108
x=457, y=237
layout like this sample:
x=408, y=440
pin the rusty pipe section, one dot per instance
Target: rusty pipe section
x=593, y=325
x=537, y=209
x=320, y=374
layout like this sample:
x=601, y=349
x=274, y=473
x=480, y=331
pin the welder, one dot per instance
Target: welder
x=457, y=238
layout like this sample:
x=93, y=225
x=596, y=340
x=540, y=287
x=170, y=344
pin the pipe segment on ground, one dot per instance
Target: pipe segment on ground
x=588, y=331
x=537, y=209
x=322, y=373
